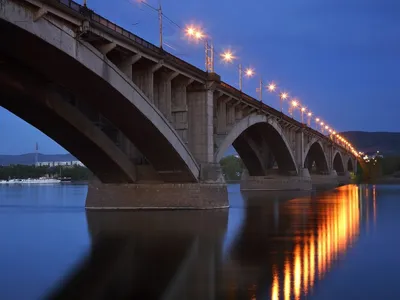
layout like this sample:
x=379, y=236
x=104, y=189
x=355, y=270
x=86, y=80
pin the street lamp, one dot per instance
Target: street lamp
x=309, y=115
x=272, y=87
x=249, y=72
x=228, y=57
x=197, y=34
x=260, y=89
x=283, y=96
x=303, y=110
x=293, y=105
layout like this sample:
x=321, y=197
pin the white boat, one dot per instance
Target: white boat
x=41, y=180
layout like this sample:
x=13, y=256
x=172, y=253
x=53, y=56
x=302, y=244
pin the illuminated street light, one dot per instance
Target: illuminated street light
x=309, y=115
x=194, y=33
x=292, y=106
x=303, y=109
x=272, y=87
x=227, y=56
x=190, y=31
x=283, y=96
x=249, y=72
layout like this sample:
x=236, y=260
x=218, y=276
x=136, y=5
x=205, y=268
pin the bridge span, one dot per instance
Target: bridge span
x=151, y=127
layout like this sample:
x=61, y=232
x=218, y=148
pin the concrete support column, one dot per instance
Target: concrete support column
x=162, y=93
x=238, y=115
x=144, y=79
x=230, y=115
x=299, y=154
x=200, y=103
x=221, y=115
x=179, y=109
x=126, y=64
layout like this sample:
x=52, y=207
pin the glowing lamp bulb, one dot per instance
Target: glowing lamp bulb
x=294, y=103
x=198, y=35
x=190, y=31
x=272, y=87
x=249, y=72
x=227, y=56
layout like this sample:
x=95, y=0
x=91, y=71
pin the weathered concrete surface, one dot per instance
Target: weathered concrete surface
x=325, y=181
x=157, y=196
x=275, y=183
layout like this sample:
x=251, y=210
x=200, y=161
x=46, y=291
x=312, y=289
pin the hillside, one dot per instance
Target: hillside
x=387, y=143
x=29, y=158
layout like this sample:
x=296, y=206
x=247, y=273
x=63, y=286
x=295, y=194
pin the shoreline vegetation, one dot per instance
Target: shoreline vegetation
x=384, y=170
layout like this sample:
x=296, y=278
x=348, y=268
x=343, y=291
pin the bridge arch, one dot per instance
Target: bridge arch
x=338, y=164
x=44, y=108
x=315, y=154
x=350, y=166
x=88, y=74
x=246, y=135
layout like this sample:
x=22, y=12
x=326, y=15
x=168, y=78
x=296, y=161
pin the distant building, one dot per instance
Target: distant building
x=59, y=163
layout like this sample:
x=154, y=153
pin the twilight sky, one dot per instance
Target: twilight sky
x=339, y=57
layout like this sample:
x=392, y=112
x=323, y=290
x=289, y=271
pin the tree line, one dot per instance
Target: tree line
x=232, y=168
x=76, y=173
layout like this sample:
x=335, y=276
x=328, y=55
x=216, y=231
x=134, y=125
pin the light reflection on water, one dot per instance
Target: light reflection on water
x=336, y=228
x=267, y=246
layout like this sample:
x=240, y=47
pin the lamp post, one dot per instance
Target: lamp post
x=282, y=97
x=309, y=115
x=293, y=106
x=303, y=110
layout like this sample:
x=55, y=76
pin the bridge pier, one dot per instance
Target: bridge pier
x=276, y=182
x=156, y=196
x=329, y=180
x=344, y=178
x=210, y=193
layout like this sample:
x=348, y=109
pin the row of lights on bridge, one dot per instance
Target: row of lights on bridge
x=197, y=34
x=228, y=56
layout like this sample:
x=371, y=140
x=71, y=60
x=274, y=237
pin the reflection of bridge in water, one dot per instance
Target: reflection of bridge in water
x=281, y=251
x=285, y=258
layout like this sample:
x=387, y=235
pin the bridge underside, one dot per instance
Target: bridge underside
x=51, y=90
x=63, y=70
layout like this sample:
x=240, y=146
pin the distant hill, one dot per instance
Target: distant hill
x=29, y=158
x=387, y=143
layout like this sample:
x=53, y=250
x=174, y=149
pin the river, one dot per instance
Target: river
x=337, y=244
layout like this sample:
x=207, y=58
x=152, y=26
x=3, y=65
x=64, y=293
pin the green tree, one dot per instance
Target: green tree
x=232, y=167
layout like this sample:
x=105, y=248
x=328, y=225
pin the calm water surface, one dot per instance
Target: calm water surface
x=340, y=244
